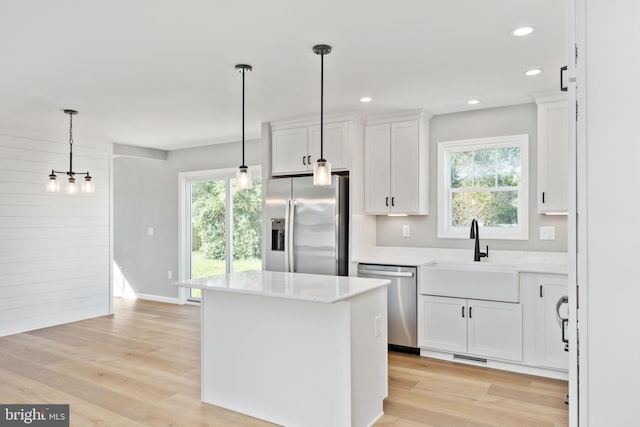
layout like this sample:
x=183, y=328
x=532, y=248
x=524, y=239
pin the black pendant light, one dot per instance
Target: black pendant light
x=322, y=168
x=54, y=186
x=243, y=175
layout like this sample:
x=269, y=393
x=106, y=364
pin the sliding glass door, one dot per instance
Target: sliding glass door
x=225, y=226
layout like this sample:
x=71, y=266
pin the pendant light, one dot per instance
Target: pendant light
x=72, y=188
x=321, y=168
x=243, y=174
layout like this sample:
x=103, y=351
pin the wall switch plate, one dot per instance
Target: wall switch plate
x=406, y=231
x=151, y=231
x=169, y=274
x=548, y=233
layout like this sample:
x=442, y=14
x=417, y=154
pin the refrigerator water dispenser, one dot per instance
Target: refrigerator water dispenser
x=277, y=234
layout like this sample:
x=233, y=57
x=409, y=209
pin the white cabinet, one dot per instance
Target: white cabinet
x=495, y=329
x=480, y=328
x=442, y=323
x=553, y=157
x=396, y=155
x=549, y=348
x=289, y=151
x=295, y=150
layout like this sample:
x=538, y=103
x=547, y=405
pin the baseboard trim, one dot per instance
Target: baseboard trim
x=495, y=364
x=159, y=298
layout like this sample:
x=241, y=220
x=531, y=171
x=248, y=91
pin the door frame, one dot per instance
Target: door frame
x=184, y=225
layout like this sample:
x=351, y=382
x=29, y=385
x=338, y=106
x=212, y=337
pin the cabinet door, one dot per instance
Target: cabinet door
x=442, y=323
x=553, y=157
x=336, y=147
x=495, y=329
x=549, y=346
x=405, y=167
x=377, y=171
x=289, y=151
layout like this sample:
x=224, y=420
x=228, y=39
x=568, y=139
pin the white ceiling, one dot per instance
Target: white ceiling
x=160, y=73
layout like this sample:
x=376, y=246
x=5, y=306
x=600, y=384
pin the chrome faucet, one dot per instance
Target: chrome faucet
x=476, y=235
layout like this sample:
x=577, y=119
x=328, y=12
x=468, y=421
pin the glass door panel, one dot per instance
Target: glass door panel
x=226, y=227
x=247, y=227
x=208, y=230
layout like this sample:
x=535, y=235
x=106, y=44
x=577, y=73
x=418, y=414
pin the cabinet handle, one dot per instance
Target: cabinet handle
x=309, y=160
x=540, y=291
x=543, y=197
x=462, y=311
x=393, y=201
x=562, y=86
x=304, y=160
x=386, y=201
x=470, y=316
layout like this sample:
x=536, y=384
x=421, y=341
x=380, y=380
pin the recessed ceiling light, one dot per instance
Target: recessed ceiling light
x=522, y=31
x=473, y=101
x=533, y=72
x=365, y=99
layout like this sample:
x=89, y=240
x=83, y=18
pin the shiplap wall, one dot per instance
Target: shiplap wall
x=55, y=249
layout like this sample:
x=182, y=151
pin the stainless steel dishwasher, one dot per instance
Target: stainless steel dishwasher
x=401, y=304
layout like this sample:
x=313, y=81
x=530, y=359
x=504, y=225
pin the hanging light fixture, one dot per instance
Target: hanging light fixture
x=243, y=174
x=321, y=168
x=72, y=188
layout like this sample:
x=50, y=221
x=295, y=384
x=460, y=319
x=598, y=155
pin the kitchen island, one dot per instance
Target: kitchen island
x=294, y=349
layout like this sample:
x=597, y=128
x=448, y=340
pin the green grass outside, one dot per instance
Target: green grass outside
x=202, y=267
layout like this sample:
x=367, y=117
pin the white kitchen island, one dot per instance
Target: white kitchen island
x=295, y=349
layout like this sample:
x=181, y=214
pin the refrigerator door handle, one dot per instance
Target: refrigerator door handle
x=292, y=214
x=287, y=249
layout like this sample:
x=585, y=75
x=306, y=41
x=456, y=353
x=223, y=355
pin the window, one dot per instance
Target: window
x=221, y=228
x=487, y=179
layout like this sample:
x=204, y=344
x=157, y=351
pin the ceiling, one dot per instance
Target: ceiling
x=161, y=73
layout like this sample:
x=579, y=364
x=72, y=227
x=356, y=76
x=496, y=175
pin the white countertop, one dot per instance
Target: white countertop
x=298, y=286
x=524, y=262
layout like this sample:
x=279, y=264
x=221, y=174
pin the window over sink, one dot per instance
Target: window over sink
x=487, y=179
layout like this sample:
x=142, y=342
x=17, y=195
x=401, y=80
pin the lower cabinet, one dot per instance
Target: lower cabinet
x=550, y=350
x=465, y=326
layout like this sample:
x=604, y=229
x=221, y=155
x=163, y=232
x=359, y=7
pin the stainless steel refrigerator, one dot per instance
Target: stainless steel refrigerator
x=308, y=226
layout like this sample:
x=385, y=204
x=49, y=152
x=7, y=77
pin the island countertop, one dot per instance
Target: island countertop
x=297, y=286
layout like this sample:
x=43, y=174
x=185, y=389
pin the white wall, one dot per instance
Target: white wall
x=612, y=285
x=54, y=248
x=513, y=120
x=146, y=195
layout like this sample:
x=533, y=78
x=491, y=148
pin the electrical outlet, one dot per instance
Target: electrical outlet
x=548, y=233
x=151, y=231
x=169, y=274
x=406, y=231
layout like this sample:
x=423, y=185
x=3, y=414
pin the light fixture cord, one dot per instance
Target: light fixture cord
x=70, y=144
x=321, y=105
x=243, y=117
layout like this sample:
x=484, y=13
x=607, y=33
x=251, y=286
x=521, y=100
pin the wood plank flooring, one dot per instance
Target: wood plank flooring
x=142, y=367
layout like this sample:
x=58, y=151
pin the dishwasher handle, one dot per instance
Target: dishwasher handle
x=388, y=273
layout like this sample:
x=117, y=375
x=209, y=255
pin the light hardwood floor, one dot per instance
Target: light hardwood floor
x=142, y=367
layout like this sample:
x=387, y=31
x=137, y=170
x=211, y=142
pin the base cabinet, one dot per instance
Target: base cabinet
x=479, y=328
x=550, y=350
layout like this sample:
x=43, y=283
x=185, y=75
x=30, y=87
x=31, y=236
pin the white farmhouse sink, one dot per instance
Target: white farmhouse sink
x=475, y=280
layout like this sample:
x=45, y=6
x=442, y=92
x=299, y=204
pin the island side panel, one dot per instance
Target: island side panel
x=284, y=361
x=369, y=371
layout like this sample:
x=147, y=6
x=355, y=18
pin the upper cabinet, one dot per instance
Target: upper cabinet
x=295, y=149
x=396, y=157
x=553, y=156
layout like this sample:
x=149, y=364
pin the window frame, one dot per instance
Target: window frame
x=445, y=229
